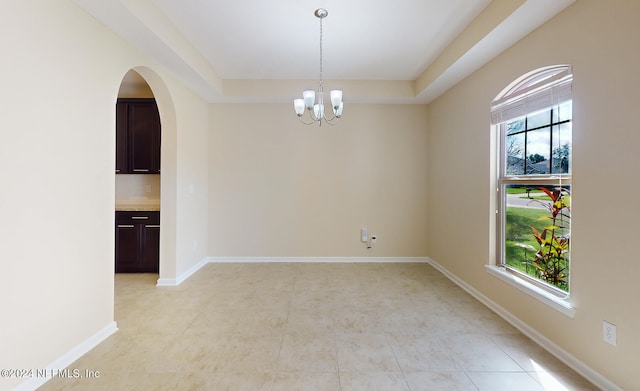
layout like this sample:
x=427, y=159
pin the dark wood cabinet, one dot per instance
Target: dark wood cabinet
x=137, y=136
x=137, y=242
x=121, y=138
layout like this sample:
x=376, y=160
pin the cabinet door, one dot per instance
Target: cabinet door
x=137, y=242
x=121, y=138
x=127, y=249
x=150, y=246
x=144, y=138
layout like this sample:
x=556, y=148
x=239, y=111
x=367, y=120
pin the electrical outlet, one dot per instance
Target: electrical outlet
x=609, y=333
x=374, y=238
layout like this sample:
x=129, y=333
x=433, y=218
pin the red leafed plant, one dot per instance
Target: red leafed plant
x=551, y=259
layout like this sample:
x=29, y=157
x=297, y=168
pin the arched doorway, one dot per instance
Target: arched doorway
x=153, y=191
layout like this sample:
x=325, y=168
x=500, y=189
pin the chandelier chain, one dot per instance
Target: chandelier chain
x=320, y=49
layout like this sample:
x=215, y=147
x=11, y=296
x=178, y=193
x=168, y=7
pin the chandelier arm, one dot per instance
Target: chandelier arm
x=332, y=122
x=333, y=117
x=313, y=121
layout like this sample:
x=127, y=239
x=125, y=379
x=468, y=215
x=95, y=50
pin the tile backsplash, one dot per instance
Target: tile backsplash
x=133, y=187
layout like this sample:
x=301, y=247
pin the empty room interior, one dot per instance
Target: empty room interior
x=320, y=195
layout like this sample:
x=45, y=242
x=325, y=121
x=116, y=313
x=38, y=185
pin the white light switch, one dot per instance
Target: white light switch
x=365, y=234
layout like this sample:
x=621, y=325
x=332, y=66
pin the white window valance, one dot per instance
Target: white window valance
x=531, y=95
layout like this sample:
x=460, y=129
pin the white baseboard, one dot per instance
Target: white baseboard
x=318, y=259
x=177, y=281
x=587, y=372
x=180, y=279
x=68, y=358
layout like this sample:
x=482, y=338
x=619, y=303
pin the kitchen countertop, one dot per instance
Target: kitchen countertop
x=138, y=205
x=137, y=208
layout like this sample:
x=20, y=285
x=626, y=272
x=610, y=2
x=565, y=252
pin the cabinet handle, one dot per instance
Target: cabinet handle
x=139, y=217
x=126, y=225
x=140, y=170
x=152, y=225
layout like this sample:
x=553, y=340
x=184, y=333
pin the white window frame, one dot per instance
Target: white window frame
x=538, y=90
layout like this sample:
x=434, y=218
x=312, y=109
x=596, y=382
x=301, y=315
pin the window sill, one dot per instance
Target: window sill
x=558, y=303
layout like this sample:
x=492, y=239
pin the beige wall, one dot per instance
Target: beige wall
x=282, y=189
x=599, y=39
x=191, y=184
x=60, y=74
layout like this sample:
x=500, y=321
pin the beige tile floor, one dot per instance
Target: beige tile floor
x=312, y=327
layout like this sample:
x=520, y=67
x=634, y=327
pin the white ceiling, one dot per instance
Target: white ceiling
x=257, y=39
x=406, y=51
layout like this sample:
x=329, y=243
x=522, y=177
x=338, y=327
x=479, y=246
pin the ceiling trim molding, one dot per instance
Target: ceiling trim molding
x=500, y=25
x=492, y=16
x=530, y=15
x=164, y=30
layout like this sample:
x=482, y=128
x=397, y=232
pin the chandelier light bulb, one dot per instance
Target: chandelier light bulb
x=336, y=98
x=309, y=97
x=298, y=104
x=318, y=111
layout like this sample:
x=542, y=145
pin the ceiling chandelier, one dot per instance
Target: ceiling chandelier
x=314, y=101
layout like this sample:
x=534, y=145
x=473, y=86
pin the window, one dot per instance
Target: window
x=534, y=122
